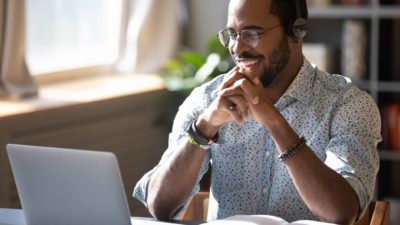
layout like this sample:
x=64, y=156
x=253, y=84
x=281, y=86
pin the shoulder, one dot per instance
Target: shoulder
x=341, y=88
x=332, y=82
x=343, y=96
x=210, y=87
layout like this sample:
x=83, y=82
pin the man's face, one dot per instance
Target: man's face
x=272, y=52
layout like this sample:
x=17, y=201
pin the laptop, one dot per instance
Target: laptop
x=59, y=186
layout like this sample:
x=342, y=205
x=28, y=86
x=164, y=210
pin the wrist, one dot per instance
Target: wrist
x=274, y=122
x=205, y=128
x=282, y=133
x=198, y=139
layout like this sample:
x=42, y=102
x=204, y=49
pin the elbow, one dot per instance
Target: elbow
x=342, y=220
x=159, y=210
x=346, y=215
x=160, y=214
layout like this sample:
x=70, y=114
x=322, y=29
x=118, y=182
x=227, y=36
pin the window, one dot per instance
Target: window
x=71, y=34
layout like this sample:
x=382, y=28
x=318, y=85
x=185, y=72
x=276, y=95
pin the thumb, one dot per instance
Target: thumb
x=250, y=75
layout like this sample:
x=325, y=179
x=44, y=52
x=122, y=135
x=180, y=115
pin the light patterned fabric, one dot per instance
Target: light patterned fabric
x=340, y=122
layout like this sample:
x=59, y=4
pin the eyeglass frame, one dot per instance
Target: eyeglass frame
x=236, y=35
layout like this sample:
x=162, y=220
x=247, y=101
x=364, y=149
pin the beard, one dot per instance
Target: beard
x=277, y=61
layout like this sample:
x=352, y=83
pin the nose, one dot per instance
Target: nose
x=238, y=46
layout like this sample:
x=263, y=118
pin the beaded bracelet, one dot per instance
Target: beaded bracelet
x=289, y=152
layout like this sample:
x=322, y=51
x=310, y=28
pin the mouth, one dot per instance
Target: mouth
x=248, y=63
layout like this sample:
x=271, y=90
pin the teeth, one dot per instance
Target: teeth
x=248, y=63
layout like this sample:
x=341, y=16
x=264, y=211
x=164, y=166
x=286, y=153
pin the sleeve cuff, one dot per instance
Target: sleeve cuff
x=363, y=197
x=141, y=189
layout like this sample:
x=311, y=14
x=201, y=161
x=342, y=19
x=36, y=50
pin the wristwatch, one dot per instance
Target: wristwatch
x=197, y=139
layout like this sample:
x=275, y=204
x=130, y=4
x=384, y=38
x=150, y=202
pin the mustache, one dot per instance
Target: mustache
x=245, y=55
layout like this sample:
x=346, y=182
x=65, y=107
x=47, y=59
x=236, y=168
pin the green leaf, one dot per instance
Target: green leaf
x=191, y=69
x=193, y=58
x=215, y=46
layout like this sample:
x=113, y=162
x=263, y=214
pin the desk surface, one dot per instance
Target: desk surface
x=16, y=217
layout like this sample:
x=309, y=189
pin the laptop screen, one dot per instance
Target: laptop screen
x=68, y=186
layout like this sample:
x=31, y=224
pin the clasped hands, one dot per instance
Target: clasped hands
x=240, y=95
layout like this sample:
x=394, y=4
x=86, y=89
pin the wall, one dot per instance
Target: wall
x=133, y=127
x=206, y=18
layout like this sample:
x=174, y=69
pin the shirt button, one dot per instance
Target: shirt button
x=265, y=190
x=267, y=154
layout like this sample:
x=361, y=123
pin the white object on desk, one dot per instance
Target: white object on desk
x=12, y=217
x=261, y=220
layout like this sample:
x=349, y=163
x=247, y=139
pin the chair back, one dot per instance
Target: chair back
x=377, y=213
x=197, y=208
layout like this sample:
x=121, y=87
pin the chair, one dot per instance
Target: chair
x=197, y=208
x=377, y=212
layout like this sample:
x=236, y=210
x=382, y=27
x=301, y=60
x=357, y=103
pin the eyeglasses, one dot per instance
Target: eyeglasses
x=248, y=37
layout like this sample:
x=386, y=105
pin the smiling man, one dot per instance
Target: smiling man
x=283, y=137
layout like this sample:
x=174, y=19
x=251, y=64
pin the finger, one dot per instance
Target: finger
x=242, y=87
x=231, y=78
x=241, y=105
x=229, y=108
x=247, y=72
x=227, y=77
x=235, y=115
x=250, y=91
x=257, y=82
x=237, y=107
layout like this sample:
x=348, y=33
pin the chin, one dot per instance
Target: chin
x=266, y=76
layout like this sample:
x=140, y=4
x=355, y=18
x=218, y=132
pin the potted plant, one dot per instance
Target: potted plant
x=191, y=69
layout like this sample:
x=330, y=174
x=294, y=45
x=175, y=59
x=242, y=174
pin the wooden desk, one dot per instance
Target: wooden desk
x=16, y=217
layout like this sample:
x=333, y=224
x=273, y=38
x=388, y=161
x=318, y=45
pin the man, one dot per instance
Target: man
x=283, y=137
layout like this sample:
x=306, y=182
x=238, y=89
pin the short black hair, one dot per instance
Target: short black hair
x=285, y=10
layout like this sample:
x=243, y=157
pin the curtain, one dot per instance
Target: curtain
x=152, y=35
x=15, y=79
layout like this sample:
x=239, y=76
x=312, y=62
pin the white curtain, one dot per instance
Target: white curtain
x=15, y=79
x=152, y=35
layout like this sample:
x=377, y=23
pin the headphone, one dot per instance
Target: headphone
x=298, y=26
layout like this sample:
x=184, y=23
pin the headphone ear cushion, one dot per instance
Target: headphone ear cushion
x=299, y=28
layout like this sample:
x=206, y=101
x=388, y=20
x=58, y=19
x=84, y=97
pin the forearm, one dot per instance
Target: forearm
x=171, y=184
x=326, y=193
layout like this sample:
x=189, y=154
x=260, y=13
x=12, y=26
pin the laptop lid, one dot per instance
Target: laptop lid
x=68, y=186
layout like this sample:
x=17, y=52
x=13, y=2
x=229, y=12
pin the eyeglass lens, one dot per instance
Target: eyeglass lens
x=248, y=37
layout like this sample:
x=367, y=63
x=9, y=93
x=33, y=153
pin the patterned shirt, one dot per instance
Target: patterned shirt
x=340, y=122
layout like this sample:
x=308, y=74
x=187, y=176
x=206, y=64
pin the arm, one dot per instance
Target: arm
x=172, y=182
x=327, y=193
x=352, y=157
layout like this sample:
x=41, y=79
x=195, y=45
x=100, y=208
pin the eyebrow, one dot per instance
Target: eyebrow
x=249, y=27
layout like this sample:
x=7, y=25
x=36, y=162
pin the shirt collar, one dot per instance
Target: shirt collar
x=301, y=87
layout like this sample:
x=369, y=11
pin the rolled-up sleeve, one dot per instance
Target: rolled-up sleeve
x=190, y=109
x=352, y=149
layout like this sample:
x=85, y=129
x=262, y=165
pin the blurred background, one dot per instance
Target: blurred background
x=109, y=75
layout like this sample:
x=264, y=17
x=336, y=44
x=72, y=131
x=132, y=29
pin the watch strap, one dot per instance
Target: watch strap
x=196, y=138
